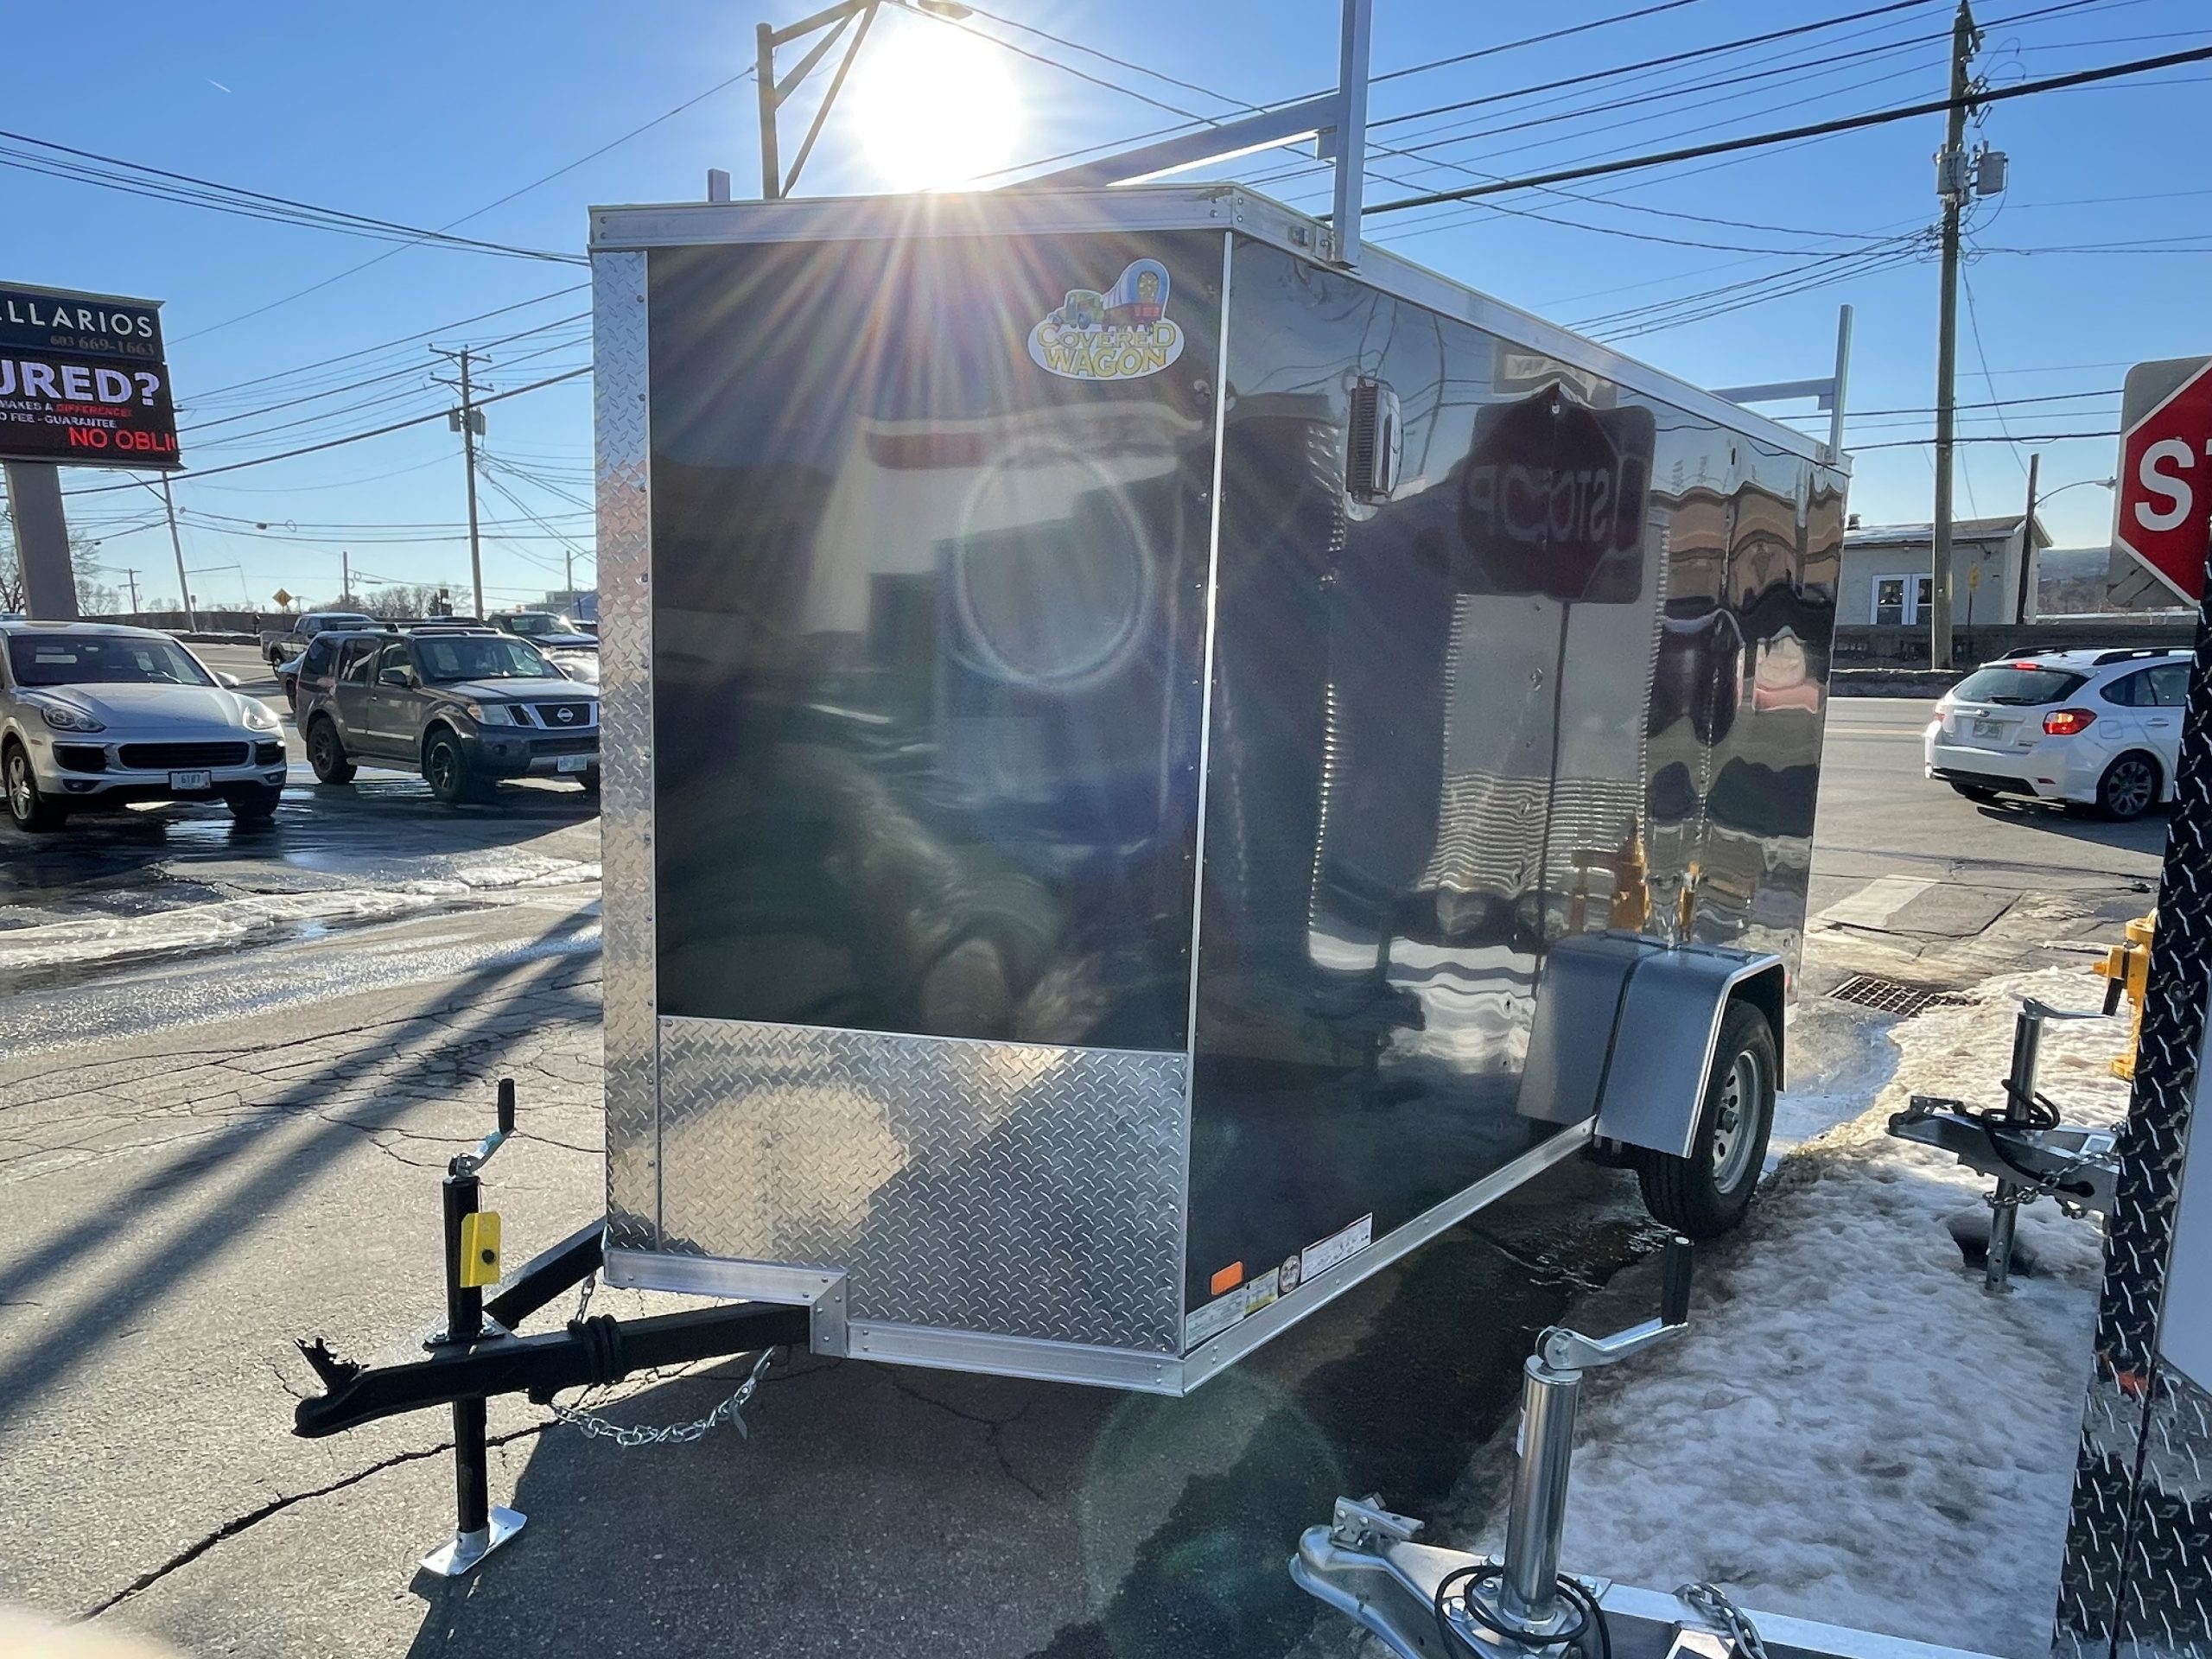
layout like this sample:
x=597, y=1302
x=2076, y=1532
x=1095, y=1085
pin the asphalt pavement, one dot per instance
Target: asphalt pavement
x=234, y=1061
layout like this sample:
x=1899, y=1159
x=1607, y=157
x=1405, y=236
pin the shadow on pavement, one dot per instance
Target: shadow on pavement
x=171, y=1249
x=897, y=1511
x=2145, y=835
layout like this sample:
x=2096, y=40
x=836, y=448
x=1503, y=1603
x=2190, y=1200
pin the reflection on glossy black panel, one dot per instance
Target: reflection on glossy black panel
x=930, y=524
x=1567, y=677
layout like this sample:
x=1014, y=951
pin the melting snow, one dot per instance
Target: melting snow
x=1852, y=1430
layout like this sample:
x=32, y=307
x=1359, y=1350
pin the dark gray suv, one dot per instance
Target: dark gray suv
x=465, y=707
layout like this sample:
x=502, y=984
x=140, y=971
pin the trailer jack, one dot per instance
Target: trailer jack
x=2023, y=1144
x=478, y=1354
x=1429, y=1603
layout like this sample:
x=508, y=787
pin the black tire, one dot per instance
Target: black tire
x=1977, y=794
x=327, y=752
x=28, y=809
x=1707, y=1193
x=255, y=805
x=2130, y=786
x=446, y=769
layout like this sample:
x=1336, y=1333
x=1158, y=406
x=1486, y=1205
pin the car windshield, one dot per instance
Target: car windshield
x=540, y=625
x=340, y=619
x=101, y=659
x=481, y=657
x=2014, y=686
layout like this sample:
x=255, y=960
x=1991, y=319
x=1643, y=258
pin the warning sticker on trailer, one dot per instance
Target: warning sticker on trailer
x=1122, y=335
x=1317, y=1259
x=1265, y=1288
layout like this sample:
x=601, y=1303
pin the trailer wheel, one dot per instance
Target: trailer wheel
x=1707, y=1193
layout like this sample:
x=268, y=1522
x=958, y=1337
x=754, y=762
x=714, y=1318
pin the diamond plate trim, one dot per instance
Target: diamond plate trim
x=1002, y=1187
x=2137, y=1577
x=620, y=413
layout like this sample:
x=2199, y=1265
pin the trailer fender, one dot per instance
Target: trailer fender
x=1624, y=1030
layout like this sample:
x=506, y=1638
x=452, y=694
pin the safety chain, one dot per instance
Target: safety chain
x=583, y=1298
x=1711, y=1602
x=2016, y=1191
x=629, y=1435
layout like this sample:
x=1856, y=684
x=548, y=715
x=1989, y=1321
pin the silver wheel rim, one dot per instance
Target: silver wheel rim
x=21, y=792
x=444, y=774
x=2129, y=791
x=1735, y=1121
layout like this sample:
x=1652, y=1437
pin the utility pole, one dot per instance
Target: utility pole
x=2028, y=542
x=1954, y=185
x=345, y=578
x=130, y=575
x=469, y=421
x=176, y=546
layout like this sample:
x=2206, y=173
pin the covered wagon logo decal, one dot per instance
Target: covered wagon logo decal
x=1122, y=335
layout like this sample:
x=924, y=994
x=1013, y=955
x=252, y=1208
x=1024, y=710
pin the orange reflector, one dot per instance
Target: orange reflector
x=1227, y=1280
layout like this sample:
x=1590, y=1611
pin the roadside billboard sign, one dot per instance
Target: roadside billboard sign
x=82, y=380
x=2163, y=515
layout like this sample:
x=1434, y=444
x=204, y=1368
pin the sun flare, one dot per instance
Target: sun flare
x=936, y=109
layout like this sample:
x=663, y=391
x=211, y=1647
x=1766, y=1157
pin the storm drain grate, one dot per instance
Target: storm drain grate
x=1892, y=995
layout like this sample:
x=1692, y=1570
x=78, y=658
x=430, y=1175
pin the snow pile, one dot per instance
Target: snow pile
x=1852, y=1430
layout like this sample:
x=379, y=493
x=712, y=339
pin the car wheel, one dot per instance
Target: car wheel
x=1977, y=794
x=446, y=769
x=26, y=806
x=1707, y=1193
x=327, y=753
x=2129, y=787
x=254, y=806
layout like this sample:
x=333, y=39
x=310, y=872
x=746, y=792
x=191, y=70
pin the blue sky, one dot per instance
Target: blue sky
x=2096, y=257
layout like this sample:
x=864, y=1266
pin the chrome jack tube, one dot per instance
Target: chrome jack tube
x=1368, y=1564
x=1525, y=1598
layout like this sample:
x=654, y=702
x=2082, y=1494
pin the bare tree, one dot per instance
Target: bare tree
x=94, y=597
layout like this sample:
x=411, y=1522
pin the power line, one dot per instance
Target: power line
x=356, y=437
x=1817, y=129
x=201, y=399
x=136, y=178
x=1993, y=437
x=501, y=201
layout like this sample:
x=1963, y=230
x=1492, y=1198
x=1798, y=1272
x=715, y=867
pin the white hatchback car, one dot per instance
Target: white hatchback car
x=2099, y=728
x=94, y=715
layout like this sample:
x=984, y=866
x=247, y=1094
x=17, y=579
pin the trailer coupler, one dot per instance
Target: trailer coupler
x=599, y=1351
x=478, y=1354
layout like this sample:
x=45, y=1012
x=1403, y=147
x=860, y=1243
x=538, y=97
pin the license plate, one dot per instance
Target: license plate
x=187, y=780
x=572, y=763
x=1986, y=729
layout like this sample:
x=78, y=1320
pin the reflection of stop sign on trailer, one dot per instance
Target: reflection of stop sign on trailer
x=1552, y=495
x=2165, y=514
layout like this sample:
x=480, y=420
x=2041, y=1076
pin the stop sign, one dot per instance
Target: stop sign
x=2164, y=516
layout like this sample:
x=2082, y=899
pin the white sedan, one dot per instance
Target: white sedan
x=94, y=715
x=2099, y=728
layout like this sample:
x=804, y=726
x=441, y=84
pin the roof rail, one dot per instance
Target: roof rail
x=2134, y=652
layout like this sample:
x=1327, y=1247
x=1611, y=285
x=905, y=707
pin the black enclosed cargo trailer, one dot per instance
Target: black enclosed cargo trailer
x=1147, y=774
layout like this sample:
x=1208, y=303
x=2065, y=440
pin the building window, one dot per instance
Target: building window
x=1889, y=601
x=1923, y=596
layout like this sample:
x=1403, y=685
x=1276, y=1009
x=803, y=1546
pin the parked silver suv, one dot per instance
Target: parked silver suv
x=94, y=715
x=463, y=706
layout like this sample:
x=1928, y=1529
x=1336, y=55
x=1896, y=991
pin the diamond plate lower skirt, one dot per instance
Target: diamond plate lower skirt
x=999, y=1187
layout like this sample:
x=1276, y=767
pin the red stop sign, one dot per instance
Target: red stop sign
x=2165, y=482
